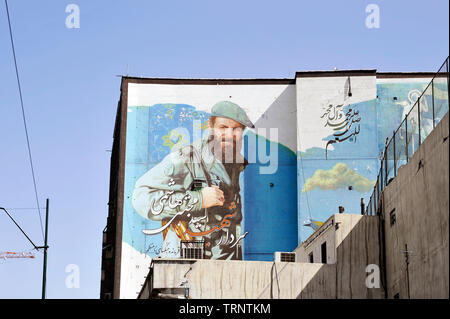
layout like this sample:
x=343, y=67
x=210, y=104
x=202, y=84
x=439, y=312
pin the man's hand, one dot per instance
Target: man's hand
x=212, y=196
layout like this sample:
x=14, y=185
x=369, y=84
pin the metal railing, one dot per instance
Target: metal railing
x=192, y=249
x=425, y=114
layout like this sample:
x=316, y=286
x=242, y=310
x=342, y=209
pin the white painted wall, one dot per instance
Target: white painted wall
x=265, y=104
x=314, y=94
x=134, y=269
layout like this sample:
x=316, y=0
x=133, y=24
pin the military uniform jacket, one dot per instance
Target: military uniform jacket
x=170, y=192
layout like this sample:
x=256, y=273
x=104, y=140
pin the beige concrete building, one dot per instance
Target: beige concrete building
x=352, y=243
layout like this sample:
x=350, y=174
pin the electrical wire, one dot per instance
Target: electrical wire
x=24, y=119
x=23, y=208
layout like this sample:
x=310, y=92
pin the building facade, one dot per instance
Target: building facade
x=316, y=145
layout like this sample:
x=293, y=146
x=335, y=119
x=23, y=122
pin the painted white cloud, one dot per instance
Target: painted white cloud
x=340, y=176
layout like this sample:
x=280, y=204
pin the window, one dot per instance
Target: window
x=311, y=258
x=192, y=249
x=287, y=257
x=323, y=249
x=392, y=216
x=192, y=253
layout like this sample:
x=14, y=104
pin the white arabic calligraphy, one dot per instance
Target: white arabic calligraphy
x=351, y=117
x=166, y=199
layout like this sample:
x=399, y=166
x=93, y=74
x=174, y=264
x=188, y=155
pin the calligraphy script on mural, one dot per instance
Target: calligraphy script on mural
x=161, y=203
x=158, y=250
x=338, y=120
x=157, y=206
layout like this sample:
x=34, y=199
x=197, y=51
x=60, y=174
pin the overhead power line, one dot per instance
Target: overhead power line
x=23, y=208
x=20, y=228
x=24, y=118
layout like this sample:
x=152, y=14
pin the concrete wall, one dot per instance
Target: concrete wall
x=419, y=197
x=358, y=246
x=216, y=279
x=355, y=244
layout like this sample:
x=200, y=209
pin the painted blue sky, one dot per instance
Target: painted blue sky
x=71, y=91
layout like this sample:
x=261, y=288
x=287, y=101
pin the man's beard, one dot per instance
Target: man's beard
x=225, y=153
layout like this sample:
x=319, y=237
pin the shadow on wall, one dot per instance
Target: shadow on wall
x=282, y=114
x=270, y=200
x=348, y=280
x=416, y=210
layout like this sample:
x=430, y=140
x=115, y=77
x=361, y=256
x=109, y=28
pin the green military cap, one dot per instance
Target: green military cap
x=232, y=111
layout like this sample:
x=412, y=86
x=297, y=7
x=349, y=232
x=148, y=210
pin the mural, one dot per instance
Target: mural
x=194, y=191
x=180, y=192
x=342, y=168
x=271, y=194
x=171, y=164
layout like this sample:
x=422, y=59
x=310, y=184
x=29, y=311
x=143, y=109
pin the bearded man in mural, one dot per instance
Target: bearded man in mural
x=195, y=191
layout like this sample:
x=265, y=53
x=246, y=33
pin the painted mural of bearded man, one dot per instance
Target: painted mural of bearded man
x=194, y=191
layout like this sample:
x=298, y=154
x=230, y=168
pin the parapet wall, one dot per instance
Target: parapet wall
x=416, y=210
x=217, y=279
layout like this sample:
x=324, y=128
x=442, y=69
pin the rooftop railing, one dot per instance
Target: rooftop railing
x=424, y=116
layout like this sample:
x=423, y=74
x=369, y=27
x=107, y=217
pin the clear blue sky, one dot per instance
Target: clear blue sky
x=71, y=91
